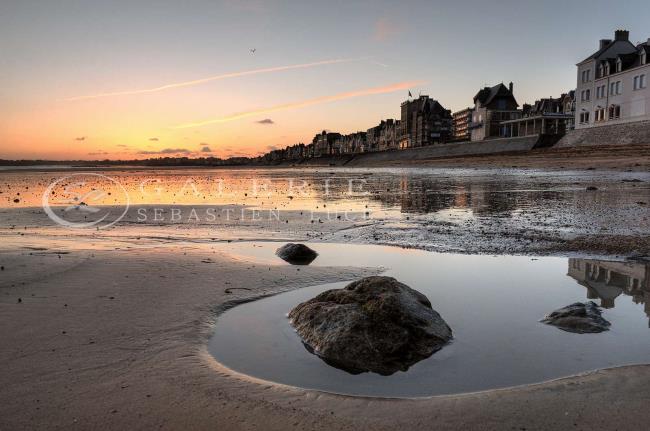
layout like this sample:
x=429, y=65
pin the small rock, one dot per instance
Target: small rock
x=581, y=318
x=591, y=188
x=296, y=254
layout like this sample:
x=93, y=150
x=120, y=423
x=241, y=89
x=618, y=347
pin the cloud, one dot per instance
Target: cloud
x=266, y=121
x=206, y=149
x=154, y=139
x=80, y=138
x=167, y=151
x=98, y=153
x=122, y=145
x=385, y=29
x=213, y=78
x=399, y=86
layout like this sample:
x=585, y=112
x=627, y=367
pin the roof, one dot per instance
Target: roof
x=628, y=60
x=619, y=44
x=487, y=94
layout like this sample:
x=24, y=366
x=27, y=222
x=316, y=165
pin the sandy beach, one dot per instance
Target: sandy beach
x=107, y=339
x=108, y=329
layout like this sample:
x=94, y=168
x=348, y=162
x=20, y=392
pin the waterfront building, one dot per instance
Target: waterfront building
x=353, y=143
x=384, y=136
x=493, y=105
x=569, y=107
x=544, y=117
x=324, y=143
x=461, y=122
x=424, y=121
x=613, y=83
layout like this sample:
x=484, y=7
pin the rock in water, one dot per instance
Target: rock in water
x=296, y=254
x=374, y=324
x=579, y=318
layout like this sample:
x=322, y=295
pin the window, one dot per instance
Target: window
x=586, y=75
x=599, y=114
x=601, y=91
x=606, y=68
x=615, y=88
x=639, y=82
x=584, y=117
x=614, y=112
x=619, y=65
x=643, y=57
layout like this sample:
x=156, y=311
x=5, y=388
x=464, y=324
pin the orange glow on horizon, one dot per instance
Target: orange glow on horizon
x=305, y=103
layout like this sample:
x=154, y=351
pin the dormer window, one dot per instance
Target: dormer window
x=601, y=71
x=606, y=68
x=643, y=56
x=619, y=65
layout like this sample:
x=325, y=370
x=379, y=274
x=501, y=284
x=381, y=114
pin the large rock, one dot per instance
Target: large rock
x=374, y=324
x=296, y=254
x=581, y=318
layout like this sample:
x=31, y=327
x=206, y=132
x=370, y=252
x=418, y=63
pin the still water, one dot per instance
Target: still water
x=492, y=303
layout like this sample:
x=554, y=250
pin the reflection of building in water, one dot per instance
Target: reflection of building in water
x=607, y=280
x=422, y=195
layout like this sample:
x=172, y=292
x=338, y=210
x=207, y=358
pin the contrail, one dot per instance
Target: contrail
x=309, y=102
x=214, y=78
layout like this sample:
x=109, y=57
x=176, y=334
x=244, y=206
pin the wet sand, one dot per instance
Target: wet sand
x=117, y=340
x=111, y=328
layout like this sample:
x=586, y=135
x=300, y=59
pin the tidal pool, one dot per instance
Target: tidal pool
x=492, y=303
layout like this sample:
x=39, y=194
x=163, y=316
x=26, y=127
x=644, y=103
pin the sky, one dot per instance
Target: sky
x=136, y=79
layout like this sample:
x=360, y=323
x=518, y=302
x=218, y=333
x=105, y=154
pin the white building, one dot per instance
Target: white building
x=613, y=83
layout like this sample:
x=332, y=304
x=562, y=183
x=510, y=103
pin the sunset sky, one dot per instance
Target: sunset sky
x=117, y=79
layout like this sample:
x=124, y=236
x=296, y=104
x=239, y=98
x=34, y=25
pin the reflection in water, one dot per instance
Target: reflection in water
x=498, y=338
x=607, y=280
x=424, y=195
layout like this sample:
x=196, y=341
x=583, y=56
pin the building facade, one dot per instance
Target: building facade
x=544, y=117
x=492, y=105
x=612, y=83
x=354, y=143
x=569, y=108
x=424, y=121
x=324, y=143
x=461, y=121
x=384, y=136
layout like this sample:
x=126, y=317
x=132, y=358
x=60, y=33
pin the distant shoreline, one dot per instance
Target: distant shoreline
x=634, y=157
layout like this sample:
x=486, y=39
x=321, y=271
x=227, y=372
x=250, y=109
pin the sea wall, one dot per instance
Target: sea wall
x=615, y=134
x=458, y=149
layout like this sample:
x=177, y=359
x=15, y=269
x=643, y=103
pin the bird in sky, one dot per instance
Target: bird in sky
x=252, y=50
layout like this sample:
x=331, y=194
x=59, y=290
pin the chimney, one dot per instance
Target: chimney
x=622, y=35
x=604, y=43
x=510, y=87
